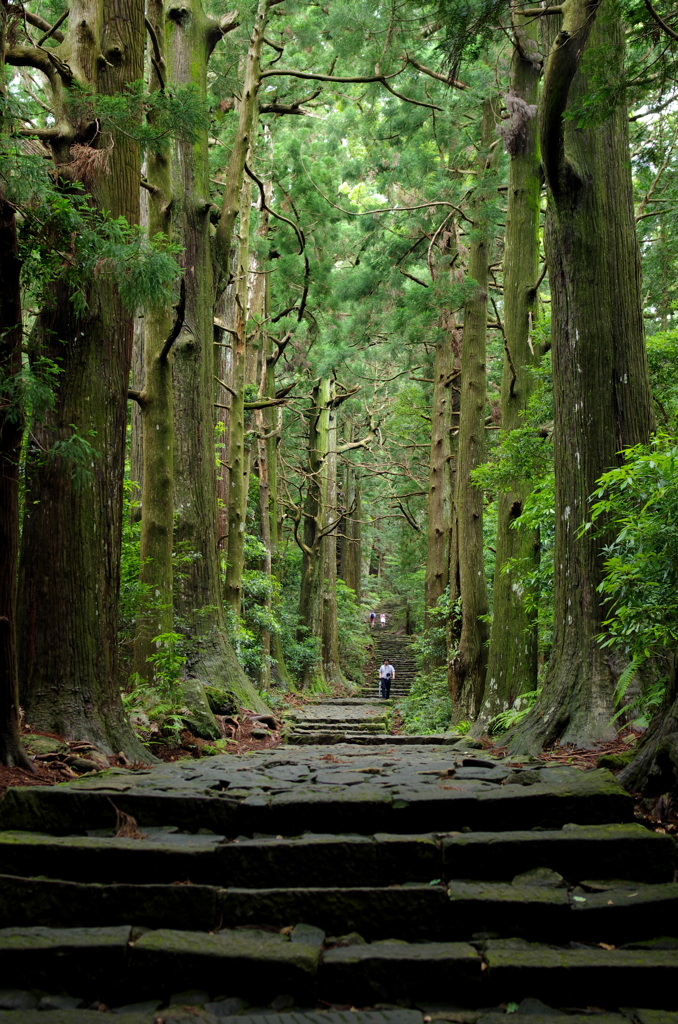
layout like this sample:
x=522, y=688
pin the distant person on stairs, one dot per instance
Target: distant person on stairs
x=382, y=620
x=373, y=618
x=386, y=677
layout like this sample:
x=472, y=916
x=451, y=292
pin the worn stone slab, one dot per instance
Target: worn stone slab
x=245, y=962
x=55, y=903
x=98, y=859
x=70, y=1017
x=616, y=850
x=585, y=977
x=390, y=971
x=234, y=797
x=314, y=860
x=656, y=1017
x=404, y=912
x=89, y=961
x=508, y=910
x=553, y=1018
x=334, y=1017
x=621, y=915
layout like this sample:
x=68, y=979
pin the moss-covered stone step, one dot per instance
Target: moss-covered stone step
x=216, y=797
x=71, y=1017
x=117, y=965
x=389, y=971
x=586, y=976
x=339, y=860
x=575, y=851
x=210, y=1015
x=412, y=912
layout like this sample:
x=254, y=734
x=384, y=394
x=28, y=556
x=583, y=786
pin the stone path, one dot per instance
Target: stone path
x=365, y=718
x=413, y=884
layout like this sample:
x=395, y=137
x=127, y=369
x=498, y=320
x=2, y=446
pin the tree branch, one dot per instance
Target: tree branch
x=561, y=68
x=30, y=57
x=412, y=278
x=288, y=108
x=660, y=21
x=178, y=323
x=52, y=31
x=299, y=233
x=434, y=74
x=37, y=22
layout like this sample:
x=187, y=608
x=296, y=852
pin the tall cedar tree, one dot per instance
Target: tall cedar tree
x=601, y=389
x=70, y=557
x=512, y=660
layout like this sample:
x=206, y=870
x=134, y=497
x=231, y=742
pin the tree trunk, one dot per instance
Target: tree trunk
x=11, y=431
x=467, y=670
x=70, y=560
x=654, y=770
x=351, y=551
x=238, y=452
x=198, y=602
x=601, y=392
x=330, y=520
x=310, y=610
x=512, y=661
x=156, y=409
x=439, y=480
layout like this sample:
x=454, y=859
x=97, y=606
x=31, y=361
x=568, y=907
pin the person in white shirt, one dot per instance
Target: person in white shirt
x=382, y=620
x=386, y=677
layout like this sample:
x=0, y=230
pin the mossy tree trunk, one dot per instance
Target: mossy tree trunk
x=198, y=602
x=331, y=520
x=351, y=550
x=238, y=451
x=11, y=432
x=70, y=560
x=601, y=391
x=467, y=669
x=440, y=480
x=512, y=660
x=155, y=402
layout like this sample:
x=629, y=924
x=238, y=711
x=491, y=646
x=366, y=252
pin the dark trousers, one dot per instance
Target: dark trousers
x=385, y=686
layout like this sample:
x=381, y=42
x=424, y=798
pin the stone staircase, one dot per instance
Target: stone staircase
x=366, y=717
x=349, y=884
x=397, y=648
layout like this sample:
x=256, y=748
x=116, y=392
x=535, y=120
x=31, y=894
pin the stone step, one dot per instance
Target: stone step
x=610, y=851
x=213, y=1012
x=219, y=794
x=622, y=913
x=323, y=738
x=118, y=964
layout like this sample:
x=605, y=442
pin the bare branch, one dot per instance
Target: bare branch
x=278, y=216
x=178, y=323
x=52, y=31
x=660, y=21
x=435, y=74
x=412, y=278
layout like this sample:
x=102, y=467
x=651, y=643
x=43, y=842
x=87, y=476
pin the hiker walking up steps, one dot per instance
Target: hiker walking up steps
x=382, y=620
x=386, y=677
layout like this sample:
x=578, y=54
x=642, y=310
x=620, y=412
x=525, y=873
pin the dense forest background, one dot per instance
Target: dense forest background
x=313, y=309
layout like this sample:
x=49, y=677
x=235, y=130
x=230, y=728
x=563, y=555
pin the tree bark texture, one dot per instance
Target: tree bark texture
x=238, y=451
x=330, y=522
x=155, y=409
x=70, y=561
x=198, y=602
x=467, y=669
x=440, y=480
x=11, y=433
x=601, y=390
x=512, y=660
